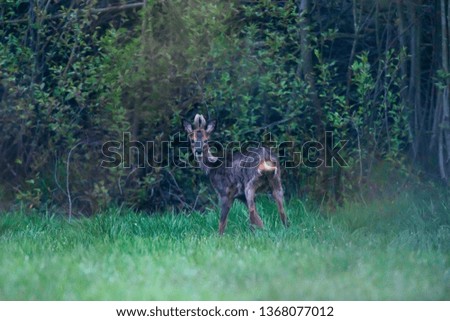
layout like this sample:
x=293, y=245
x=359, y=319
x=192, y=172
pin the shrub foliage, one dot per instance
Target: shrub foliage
x=75, y=74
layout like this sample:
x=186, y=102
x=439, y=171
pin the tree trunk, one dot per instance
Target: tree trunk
x=305, y=70
x=414, y=93
x=444, y=135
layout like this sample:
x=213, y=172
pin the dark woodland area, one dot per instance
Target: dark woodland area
x=76, y=74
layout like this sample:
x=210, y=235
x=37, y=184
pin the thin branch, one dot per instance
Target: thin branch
x=174, y=180
x=69, y=196
x=119, y=8
x=282, y=121
x=92, y=11
x=56, y=176
x=181, y=200
x=196, y=200
x=359, y=152
x=119, y=182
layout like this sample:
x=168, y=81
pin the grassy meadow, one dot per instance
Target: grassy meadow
x=390, y=249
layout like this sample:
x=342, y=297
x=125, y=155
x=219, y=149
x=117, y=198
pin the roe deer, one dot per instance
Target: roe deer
x=240, y=178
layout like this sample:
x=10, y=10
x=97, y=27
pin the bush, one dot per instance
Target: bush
x=78, y=74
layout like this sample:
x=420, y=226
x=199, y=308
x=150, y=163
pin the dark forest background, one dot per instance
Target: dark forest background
x=75, y=74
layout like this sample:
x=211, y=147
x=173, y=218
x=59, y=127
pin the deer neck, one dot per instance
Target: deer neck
x=207, y=161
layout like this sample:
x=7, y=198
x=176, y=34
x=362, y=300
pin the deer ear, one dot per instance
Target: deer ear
x=211, y=126
x=187, y=126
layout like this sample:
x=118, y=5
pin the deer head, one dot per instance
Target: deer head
x=199, y=136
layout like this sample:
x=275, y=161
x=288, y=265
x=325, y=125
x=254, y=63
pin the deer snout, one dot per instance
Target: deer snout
x=198, y=147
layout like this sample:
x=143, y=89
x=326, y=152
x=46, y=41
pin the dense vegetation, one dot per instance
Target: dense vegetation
x=75, y=74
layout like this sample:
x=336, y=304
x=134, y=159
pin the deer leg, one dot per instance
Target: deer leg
x=277, y=192
x=250, y=197
x=225, y=204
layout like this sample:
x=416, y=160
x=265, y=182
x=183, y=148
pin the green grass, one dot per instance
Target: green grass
x=387, y=250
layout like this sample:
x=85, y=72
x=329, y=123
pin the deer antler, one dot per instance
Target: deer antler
x=196, y=121
x=202, y=121
x=199, y=121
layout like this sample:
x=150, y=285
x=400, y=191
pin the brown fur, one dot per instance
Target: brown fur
x=247, y=174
